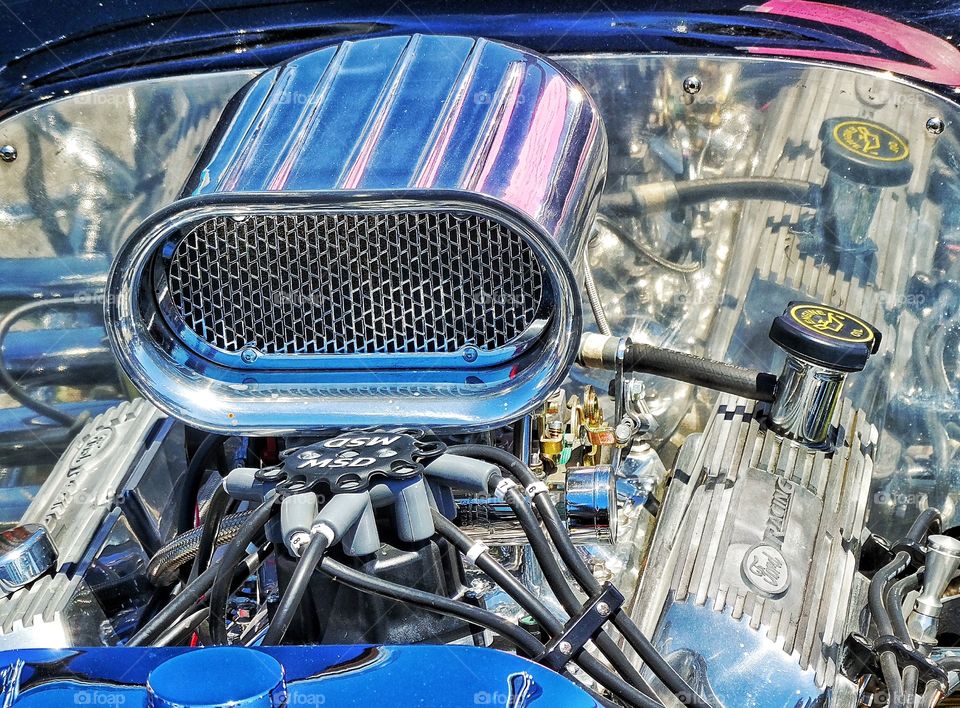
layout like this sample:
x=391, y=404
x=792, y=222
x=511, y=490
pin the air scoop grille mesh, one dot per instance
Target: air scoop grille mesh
x=385, y=283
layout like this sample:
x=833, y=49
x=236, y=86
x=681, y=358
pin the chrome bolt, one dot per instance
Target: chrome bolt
x=470, y=354
x=692, y=85
x=603, y=609
x=565, y=648
x=935, y=125
x=624, y=431
x=8, y=153
x=249, y=355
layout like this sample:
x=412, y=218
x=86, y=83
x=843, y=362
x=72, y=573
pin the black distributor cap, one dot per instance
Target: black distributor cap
x=353, y=460
x=825, y=336
x=865, y=152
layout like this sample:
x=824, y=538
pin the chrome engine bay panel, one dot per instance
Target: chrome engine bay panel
x=742, y=541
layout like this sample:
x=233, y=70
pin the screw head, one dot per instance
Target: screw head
x=565, y=648
x=935, y=125
x=8, y=153
x=470, y=354
x=692, y=84
x=603, y=609
x=249, y=355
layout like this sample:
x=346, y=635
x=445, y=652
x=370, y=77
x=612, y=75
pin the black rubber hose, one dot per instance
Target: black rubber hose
x=216, y=511
x=189, y=596
x=662, y=196
x=193, y=479
x=581, y=573
x=523, y=597
x=432, y=602
x=894, y=604
x=790, y=191
x=232, y=554
x=876, y=594
x=296, y=589
x=696, y=370
x=929, y=521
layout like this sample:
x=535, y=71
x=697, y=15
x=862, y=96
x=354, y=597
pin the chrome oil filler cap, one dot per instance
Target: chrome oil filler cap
x=823, y=344
x=27, y=553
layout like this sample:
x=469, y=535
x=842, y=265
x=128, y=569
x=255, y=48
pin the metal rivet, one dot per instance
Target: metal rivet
x=565, y=648
x=8, y=153
x=603, y=609
x=249, y=355
x=692, y=84
x=935, y=125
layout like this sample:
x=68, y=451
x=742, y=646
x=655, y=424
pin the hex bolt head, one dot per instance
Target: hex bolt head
x=935, y=125
x=8, y=153
x=692, y=85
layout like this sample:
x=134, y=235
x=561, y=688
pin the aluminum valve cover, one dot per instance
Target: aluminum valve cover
x=752, y=580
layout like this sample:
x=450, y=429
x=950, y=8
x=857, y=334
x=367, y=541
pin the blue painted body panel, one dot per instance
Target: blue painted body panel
x=362, y=676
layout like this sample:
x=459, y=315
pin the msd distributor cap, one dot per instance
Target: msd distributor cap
x=354, y=460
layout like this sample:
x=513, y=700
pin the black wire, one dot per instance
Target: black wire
x=183, y=628
x=216, y=510
x=190, y=595
x=10, y=386
x=232, y=555
x=558, y=583
x=439, y=604
x=530, y=603
x=193, y=479
x=299, y=582
x=581, y=573
x=432, y=602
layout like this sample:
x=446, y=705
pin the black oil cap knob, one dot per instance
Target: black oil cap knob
x=866, y=152
x=825, y=336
